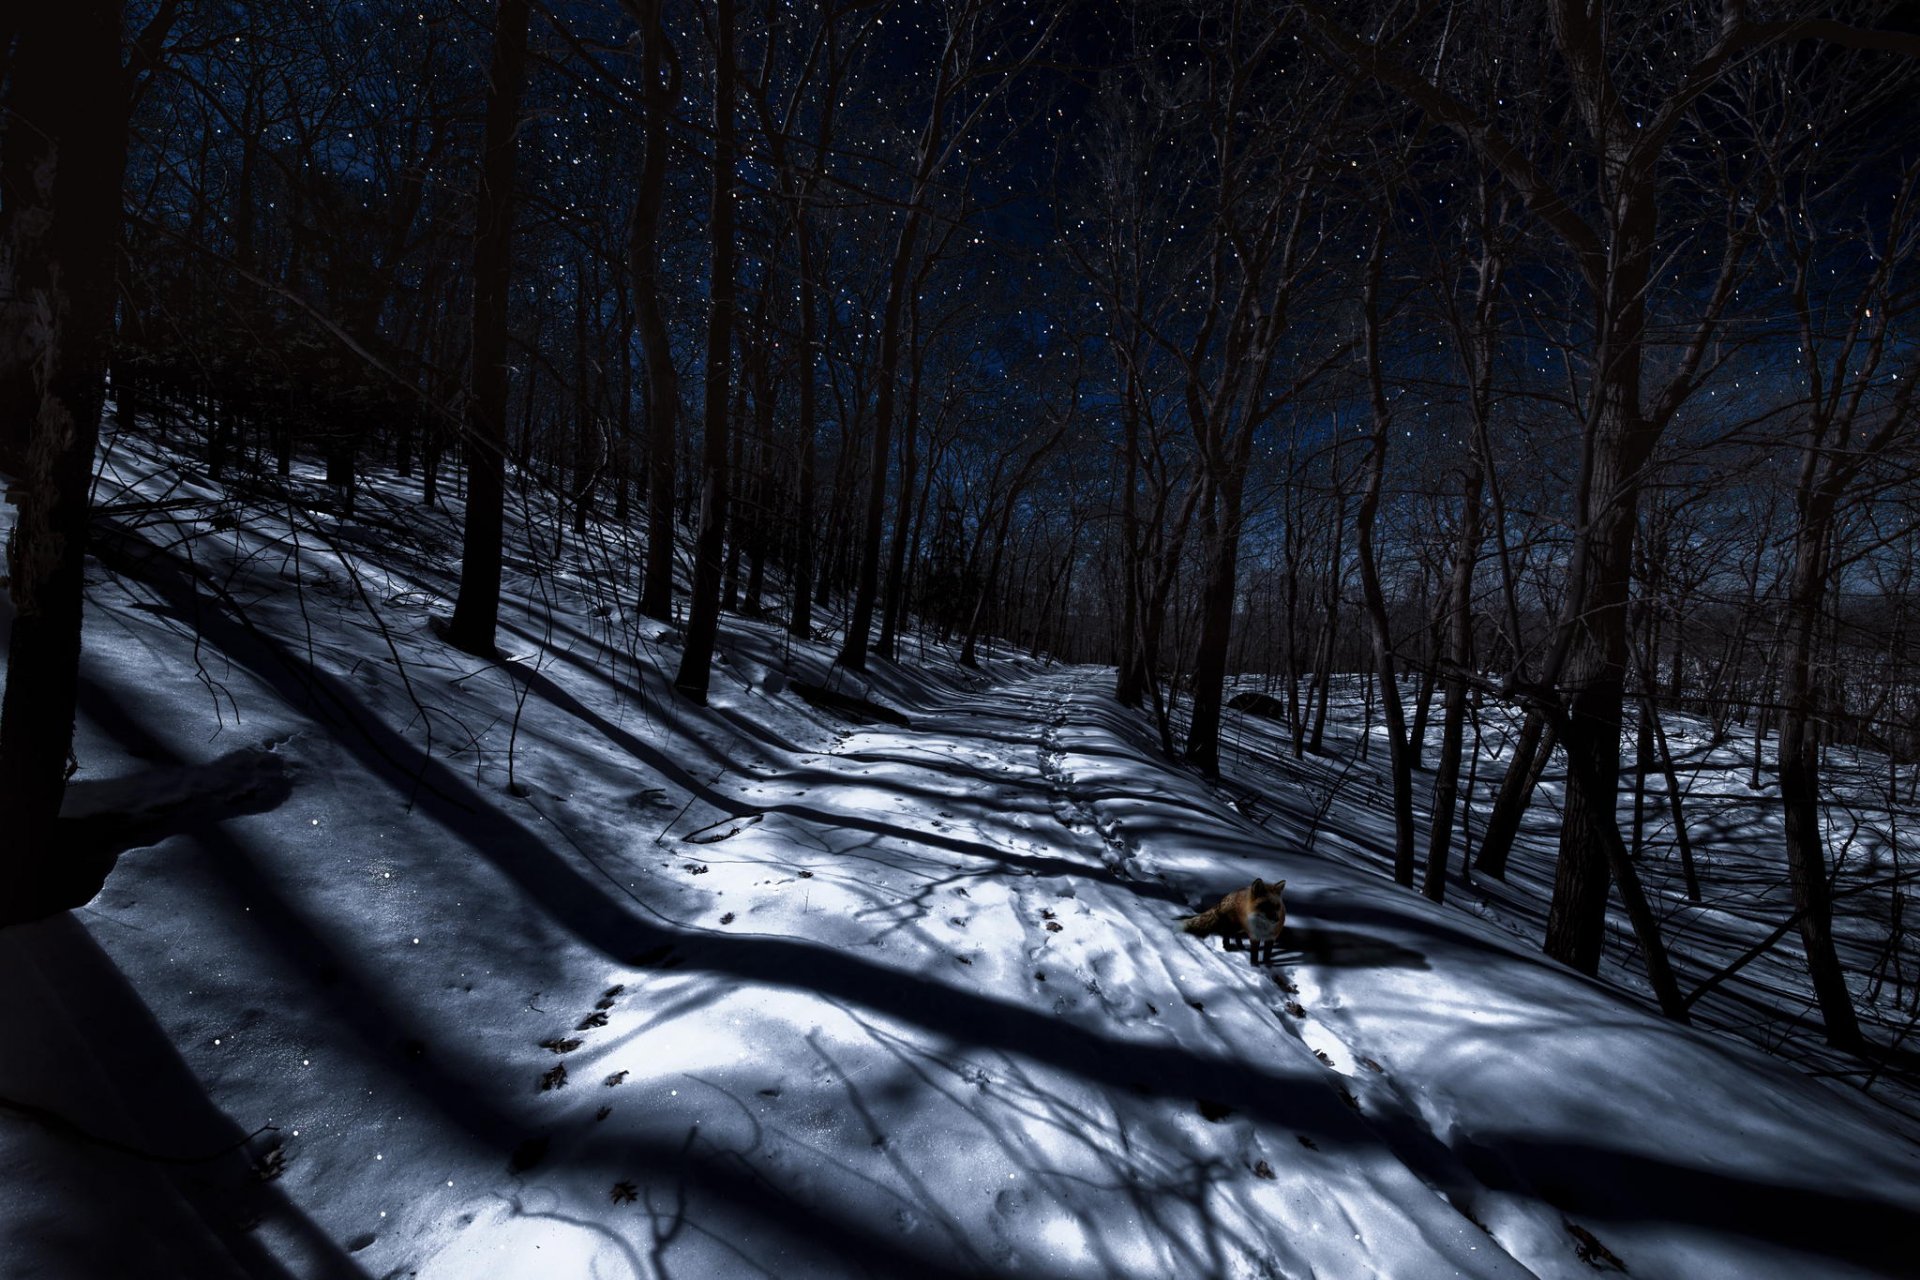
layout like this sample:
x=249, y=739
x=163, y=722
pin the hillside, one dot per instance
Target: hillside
x=417, y=965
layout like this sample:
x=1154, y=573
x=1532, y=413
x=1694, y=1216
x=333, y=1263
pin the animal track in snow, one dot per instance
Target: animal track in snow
x=1074, y=814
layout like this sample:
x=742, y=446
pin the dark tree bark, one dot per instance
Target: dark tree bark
x=1399, y=756
x=806, y=538
x=1130, y=678
x=1800, y=752
x=1221, y=544
x=1531, y=752
x=1477, y=343
x=1459, y=651
x=660, y=88
x=703, y=619
x=853, y=653
x=476, y=610
x=587, y=447
x=63, y=234
x=1330, y=626
x=1683, y=843
x=893, y=602
x=1646, y=927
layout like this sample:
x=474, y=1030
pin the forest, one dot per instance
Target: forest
x=1467, y=449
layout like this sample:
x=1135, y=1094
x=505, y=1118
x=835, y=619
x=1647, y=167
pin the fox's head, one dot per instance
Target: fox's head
x=1266, y=898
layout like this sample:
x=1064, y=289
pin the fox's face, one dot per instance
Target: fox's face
x=1265, y=910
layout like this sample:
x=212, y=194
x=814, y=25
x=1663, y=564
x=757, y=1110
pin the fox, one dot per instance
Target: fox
x=1249, y=917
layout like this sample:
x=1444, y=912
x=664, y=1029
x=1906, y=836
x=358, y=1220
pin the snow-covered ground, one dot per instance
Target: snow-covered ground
x=757, y=990
x=1733, y=822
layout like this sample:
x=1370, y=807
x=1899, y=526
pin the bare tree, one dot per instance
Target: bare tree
x=1635, y=84
x=1399, y=749
x=660, y=89
x=66, y=145
x=476, y=610
x=703, y=621
x=1859, y=378
x=976, y=65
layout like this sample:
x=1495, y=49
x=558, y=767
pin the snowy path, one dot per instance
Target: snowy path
x=962, y=1031
x=957, y=1018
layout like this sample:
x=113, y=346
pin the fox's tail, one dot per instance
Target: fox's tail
x=1199, y=925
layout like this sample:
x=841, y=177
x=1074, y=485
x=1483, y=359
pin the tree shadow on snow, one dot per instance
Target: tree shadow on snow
x=148, y=1176
x=1602, y=1182
x=1640, y=1187
x=1344, y=947
x=344, y=979
x=676, y=774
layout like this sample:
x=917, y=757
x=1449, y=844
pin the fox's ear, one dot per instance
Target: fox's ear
x=1278, y=885
x=1259, y=885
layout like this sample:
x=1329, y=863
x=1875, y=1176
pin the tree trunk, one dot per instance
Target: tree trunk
x=703, y=619
x=65, y=106
x=1130, y=677
x=893, y=603
x=1222, y=549
x=853, y=653
x=1800, y=776
x=1459, y=652
x=1646, y=928
x=476, y=609
x=1595, y=682
x=1682, y=841
x=586, y=454
x=1398, y=756
x=662, y=393
x=800, y=624
x=1531, y=752
x=1324, y=668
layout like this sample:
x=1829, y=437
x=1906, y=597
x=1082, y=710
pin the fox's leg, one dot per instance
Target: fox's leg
x=1232, y=942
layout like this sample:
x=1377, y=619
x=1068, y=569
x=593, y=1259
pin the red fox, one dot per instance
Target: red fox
x=1249, y=917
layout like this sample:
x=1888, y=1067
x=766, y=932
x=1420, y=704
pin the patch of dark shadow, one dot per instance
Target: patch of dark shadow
x=848, y=706
x=206, y=1194
x=1615, y=1185
x=529, y=1153
x=1258, y=704
x=1349, y=949
x=660, y=957
x=1211, y=1110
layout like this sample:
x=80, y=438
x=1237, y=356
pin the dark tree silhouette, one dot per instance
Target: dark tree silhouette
x=476, y=611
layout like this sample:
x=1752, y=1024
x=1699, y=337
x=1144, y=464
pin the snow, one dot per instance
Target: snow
x=848, y=999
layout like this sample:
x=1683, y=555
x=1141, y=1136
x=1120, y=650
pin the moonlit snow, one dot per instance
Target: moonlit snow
x=418, y=965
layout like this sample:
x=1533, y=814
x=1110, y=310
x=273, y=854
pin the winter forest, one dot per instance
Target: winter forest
x=640, y=636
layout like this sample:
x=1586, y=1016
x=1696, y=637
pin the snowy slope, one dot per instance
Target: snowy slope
x=1332, y=801
x=756, y=990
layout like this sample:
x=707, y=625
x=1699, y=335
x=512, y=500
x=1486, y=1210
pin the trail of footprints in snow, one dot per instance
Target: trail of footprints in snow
x=555, y=1077
x=533, y=1149
x=1435, y=1163
x=1073, y=813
